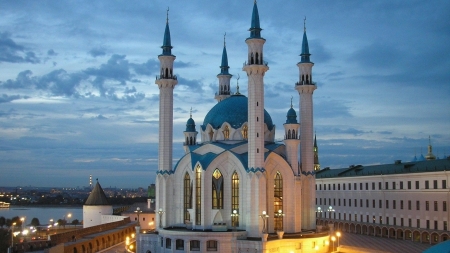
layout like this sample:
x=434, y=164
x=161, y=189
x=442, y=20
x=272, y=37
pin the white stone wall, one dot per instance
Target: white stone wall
x=92, y=215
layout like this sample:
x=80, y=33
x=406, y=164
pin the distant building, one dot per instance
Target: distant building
x=97, y=210
x=403, y=200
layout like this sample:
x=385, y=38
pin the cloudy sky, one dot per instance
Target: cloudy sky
x=77, y=92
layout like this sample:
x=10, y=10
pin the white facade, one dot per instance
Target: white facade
x=400, y=200
x=92, y=215
x=237, y=188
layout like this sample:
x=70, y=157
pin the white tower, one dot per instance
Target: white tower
x=224, y=76
x=255, y=68
x=305, y=88
x=166, y=82
x=291, y=139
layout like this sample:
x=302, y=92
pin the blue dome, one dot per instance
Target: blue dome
x=234, y=111
x=291, y=117
x=190, y=125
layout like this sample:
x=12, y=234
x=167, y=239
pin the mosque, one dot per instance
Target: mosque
x=237, y=190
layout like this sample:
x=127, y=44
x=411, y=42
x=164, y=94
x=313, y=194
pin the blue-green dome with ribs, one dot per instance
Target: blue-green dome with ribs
x=234, y=111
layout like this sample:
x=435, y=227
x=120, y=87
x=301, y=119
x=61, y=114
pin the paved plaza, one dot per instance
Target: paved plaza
x=355, y=243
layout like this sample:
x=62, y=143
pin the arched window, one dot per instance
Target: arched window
x=278, y=201
x=179, y=244
x=198, y=195
x=191, y=142
x=257, y=59
x=226, y=133
x=245, y=132
x=235, y=198
x=251, y=59
x=187, y=196
x=195, y=245
x=211, y=245
x=167, y=73
x=211, y=134
x=217, y=190
x=289, y=134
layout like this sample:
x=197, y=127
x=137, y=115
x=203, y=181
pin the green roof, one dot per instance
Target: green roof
x=386, y=169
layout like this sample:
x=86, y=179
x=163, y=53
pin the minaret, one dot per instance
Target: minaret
x=224, y=76
x=190, y=135
x=305, y=88
x=430, y=155
x=255, y=67
x=291, y=139
x=166, y=82
x=316, y=155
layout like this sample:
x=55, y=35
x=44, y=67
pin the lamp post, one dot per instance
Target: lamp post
x=279, y=215
x=264, y=217
x=138, y=211
x=333, y=238
x=12, y=238
x=330, y=209
x=69, y=215
x=319, y=211
x=234, y=217
x=22, y=221
x=338, y=234
x=160, y=212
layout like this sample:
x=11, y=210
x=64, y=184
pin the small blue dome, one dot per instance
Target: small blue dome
x=190, y=125
x=291, y=117
x=234, y=111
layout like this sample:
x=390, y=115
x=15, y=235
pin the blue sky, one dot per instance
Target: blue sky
x=77, y=92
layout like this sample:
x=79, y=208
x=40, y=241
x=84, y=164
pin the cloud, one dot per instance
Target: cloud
x=97, y=51
x=12, y=52
x=128, y=90
x=378, y=55
x=60, y=83
x=148, y=68
x=51, y=52
x=330, y=108
x=117, y=68
x=5, y=98
x=23, y=80
x=100, y=117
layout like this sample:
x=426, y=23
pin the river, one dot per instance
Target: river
x=44, y=214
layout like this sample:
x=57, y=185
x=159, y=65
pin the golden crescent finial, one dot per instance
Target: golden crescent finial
x=291, y=100
x=190, y=113
x=304, y=24
x=224, y=44
x=237, y=84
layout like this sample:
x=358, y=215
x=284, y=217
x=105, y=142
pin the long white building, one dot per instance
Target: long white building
x=403, y=200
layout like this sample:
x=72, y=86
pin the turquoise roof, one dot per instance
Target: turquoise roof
x=234, y=111
x=305, y=50
x=291, y=117
x=443, y=247
x=224, y=66
x=190, y=125
x=386, y=169
x=167, y=47
x=255, y=29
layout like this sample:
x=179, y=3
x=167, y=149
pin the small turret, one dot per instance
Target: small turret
x=291, y=138
x=224, y=77
x=430, y=155
x=190, y=134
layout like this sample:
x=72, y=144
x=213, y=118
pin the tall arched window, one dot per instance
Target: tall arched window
x=211, y=134
x=198, y=195
x=187, y=196
x=217, y=190
x=235, y=198
x=245, y=132
x=226, y=133
x=278, y=201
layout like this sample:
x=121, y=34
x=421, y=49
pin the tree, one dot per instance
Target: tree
x=2, y=221
x=16, y=220
x=75, y=222
x=35, y=222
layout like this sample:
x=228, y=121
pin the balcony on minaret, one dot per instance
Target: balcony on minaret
x=262, y=63
x=174, y=77
x=305, y=82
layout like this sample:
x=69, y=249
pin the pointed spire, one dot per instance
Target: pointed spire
x=190, y=113
x=291, y=101
x=305, y=47
x=255, y=29
x=224, y=66
x=315, y=140
x=167, y=47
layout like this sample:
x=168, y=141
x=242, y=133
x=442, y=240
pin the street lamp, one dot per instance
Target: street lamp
x=333, y=238
x=138, y=211
x=22, y=221
x=12, y=237
x=279, y=215
x=338, y=234
x=160, y=212
x=319, y=210
x=234, y=217
x=69, y=215
x=264, y=217
x=330, y=209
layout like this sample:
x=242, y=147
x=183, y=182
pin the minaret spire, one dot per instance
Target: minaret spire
x=255, y=29
x=305, y=87
x=166, y=82
x=224, y=76
x=316, y=154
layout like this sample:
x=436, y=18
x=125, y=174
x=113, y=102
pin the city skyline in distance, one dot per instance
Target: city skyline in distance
x=77, y=92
